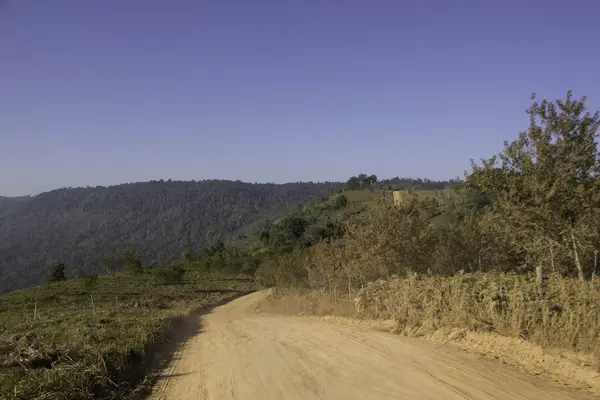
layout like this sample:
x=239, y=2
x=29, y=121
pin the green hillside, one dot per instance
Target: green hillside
x=89, y=228
x=9, y=204
x=317, y=218
x=83, y=227
x=534, y=204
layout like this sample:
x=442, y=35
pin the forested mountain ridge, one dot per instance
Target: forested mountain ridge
x=160, y=219
x=8, y=204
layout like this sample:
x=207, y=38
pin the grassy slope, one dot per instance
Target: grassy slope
x=73, y=352
x=368, y=197
x=361, y=200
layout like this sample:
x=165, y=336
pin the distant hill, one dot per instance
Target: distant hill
x=8, y=204
x=160, y=219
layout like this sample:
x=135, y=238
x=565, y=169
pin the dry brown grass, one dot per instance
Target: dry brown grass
x=495, y=315
x=305, y=302
x=567, y=319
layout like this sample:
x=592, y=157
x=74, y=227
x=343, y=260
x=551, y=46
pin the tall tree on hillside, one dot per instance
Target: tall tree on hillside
x=58, y=273
x=545, y=186
x=132, y=262
x=109, y=265
x=340, y=201
x=371, y=180
x=362, y=179
x=187, y=257
x=218, y=248
x=353, y=183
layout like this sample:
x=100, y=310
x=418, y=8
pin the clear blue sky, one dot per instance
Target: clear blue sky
x=113, y=91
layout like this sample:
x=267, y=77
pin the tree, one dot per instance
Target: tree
x=545, y=186
x=265, y=236
x=218, y=248
x=170, y=274
x=362, y=178
x=353, y=183
x=187, y=257
x=341, y=201
x=371, y=180
x=132, y=262
x=109, y=265
x=250, y=266
x=90, y=282
x=58, y=273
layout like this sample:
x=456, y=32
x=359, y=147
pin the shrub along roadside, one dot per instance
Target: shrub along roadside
x=508, y=304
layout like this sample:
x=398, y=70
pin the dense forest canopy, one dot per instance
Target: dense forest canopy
x=88, y=229
x=159, y=219
x=8, y=204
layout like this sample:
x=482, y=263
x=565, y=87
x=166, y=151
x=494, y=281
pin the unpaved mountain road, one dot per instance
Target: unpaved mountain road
x=239, y=354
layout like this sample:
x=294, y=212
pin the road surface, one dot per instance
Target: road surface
x=239, y=354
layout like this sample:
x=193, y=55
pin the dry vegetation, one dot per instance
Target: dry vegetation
x=495, y=315
x=507, y=304
x=94, y=338
x=467, y=258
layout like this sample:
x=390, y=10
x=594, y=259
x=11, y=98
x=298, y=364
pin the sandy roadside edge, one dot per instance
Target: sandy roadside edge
x=564, y=368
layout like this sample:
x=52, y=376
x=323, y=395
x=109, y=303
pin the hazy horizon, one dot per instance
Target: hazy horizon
x=104, y=93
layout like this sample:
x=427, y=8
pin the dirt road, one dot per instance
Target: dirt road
x=239, y=354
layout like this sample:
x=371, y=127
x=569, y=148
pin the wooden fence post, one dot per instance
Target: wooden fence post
x=539, y=272
x=93, y=306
